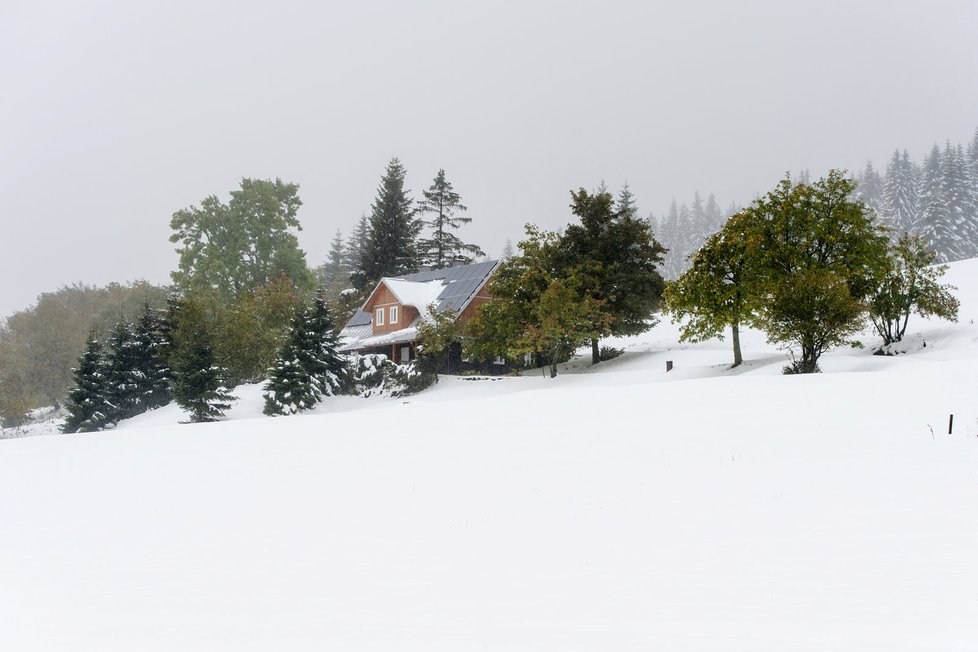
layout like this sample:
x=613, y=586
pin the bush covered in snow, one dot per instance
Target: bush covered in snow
x=376, y=375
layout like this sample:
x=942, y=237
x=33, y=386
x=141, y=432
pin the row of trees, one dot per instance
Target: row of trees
x=172, y=355
x=123, y=379
x=165, y=355
x=684, y=228
x=936, y=199
x=807, y=264
x=40, y=345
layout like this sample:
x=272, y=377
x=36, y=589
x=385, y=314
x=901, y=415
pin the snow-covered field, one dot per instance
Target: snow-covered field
x=613, y=508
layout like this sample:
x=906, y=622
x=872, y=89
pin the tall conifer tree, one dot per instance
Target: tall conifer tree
x=154, y=376
x=933, y=219
x=355, y=254
x=961, y=203
x=626, y=201
x=88, y=406
x=900, y=196
x=308, y=366
x=444, y=248
x=391, y=248
x=199, y=382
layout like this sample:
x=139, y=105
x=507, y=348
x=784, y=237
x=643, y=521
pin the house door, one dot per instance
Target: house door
x=406, y=353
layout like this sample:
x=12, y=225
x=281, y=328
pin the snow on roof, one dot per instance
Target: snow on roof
x=414, y=293
x=404, y=335
x=458, y=286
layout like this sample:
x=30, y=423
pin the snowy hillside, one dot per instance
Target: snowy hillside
x=613, y=508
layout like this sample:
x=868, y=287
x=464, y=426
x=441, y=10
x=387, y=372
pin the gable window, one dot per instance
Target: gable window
x=393, y=315
x=379, y=318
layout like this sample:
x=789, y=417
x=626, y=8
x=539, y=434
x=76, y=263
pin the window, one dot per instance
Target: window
x=379, y=318
x=393, y=319
x=405, y=353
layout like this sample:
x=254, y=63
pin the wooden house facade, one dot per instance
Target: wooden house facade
x=388, y=320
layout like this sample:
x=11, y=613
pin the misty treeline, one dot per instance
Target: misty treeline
x=241, y=280
x=935, y=198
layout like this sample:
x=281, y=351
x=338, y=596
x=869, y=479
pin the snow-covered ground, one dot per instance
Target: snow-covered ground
x=613, y=508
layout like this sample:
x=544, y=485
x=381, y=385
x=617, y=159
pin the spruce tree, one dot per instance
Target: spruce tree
x=335, y=269
x=124, y=376
x=289, y=388
x=669, y=233
x=625, y=204
x=686, y=242
x=308, y=367
x=610, y=259
x=973, y=159
x=960, y=203
x=714, y=216
x=932, y=217
x=198, y=381
x=154, y=375
x=88, y=406
x=355, y=253
x=870, y=188
x=508, y=249
x=326, y=366
x=391, y=247
x=899, y=211
x=444, y=248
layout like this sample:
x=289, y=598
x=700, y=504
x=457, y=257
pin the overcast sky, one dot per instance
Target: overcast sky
x=115, y=115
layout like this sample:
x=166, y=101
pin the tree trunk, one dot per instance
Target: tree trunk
x=735, y=337
x=595, y=351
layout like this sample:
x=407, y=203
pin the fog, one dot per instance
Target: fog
x=115, y=115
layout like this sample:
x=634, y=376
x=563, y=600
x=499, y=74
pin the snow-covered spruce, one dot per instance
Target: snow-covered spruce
x=308, y=368
x=88, y=406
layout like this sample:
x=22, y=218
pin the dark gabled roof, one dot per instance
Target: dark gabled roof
x=461, y=284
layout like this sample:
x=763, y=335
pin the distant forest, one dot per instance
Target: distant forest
x=936, y=198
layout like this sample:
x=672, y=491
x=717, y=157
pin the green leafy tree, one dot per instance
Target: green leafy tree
x=88, y=407
x=720, y=288
x=237, y=246
x=440, y=335
x=250, y=330
x=391, y=247
x=444, y=248
x=562, y=322
x=820, y=254
x=911, y=285
x=610, y=259
x=536, y=311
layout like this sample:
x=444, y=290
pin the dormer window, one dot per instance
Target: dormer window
x=379, y=317
x=393, y=315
